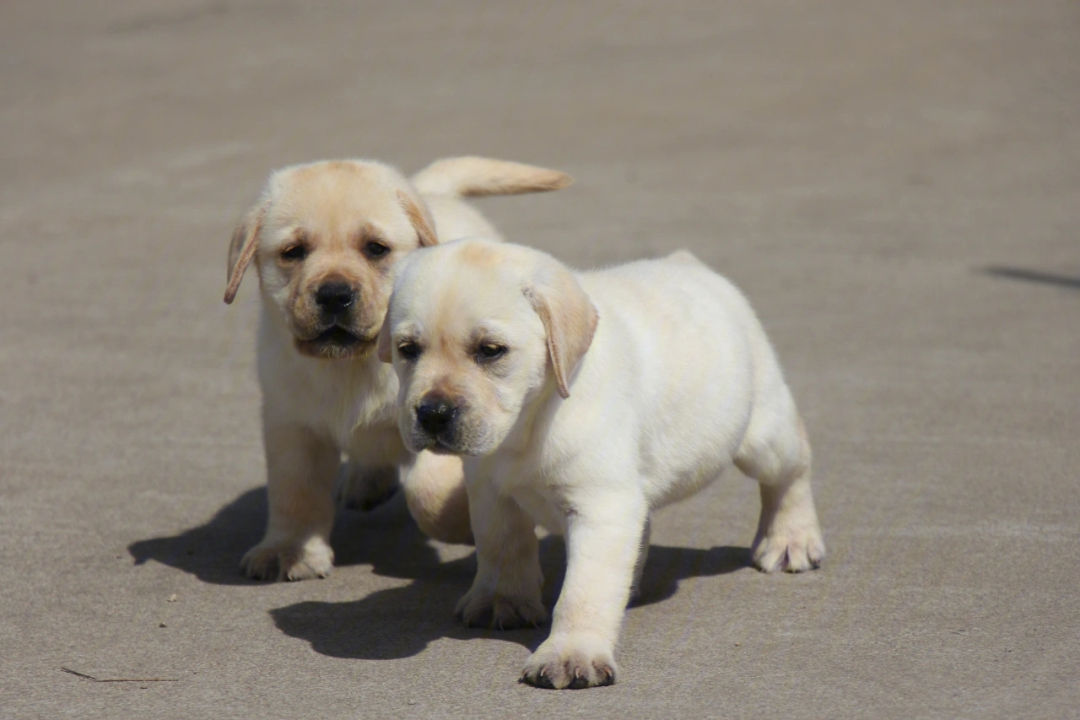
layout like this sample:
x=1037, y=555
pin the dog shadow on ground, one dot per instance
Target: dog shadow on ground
x=400, y=622
x=386, y=538
x=397, y=622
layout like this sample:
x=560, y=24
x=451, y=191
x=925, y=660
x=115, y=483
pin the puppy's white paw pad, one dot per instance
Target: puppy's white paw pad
x=790, y=552
x=288, y=561
x=570, y=664
x=500, y=612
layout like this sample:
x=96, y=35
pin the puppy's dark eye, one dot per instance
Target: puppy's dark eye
x=409, y=350
x=296, y=252
x=490, y=351
x=376, y=249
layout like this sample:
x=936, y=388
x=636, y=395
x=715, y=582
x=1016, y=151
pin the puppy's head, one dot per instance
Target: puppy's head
x=325, y=238
x=477, y=330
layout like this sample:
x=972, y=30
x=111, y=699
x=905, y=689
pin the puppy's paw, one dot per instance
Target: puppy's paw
x=364, y=488
x=500, y=612
x=571, y=662
x=288, y=561
x=791, y=551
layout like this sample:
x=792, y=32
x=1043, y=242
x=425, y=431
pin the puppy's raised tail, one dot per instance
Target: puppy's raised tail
x=472, y=176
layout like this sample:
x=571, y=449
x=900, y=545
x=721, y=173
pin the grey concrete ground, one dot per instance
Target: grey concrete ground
x=896, y=185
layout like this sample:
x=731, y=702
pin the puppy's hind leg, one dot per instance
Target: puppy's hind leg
x=776, y=453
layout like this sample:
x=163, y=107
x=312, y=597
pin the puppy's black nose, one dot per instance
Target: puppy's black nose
x=435, y=415
x=335, y=297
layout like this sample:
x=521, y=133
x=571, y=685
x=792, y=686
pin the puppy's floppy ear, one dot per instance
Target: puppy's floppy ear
x=383, y=347
x=419, y=218
x=569, y=319
x=245, y=239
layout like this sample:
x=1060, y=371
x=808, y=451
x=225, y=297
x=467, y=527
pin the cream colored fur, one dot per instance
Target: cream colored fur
x=582, y=402
x=324, y=392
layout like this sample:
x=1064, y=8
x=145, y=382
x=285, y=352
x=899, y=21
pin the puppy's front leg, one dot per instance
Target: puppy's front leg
x=300, y=468
x=603, y=541
x=505, y=593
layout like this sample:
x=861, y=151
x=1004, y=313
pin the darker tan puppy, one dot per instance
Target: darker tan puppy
x=325, y=239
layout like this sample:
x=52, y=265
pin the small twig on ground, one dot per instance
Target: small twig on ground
x=94, y=679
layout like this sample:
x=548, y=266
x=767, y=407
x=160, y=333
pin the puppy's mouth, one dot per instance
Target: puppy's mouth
x=448, y=443
x=336, y=342
x=435, y=446
x=336, y=336
x=440, y=448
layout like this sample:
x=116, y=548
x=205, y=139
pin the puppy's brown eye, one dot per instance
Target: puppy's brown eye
x=490, y=351
x=296, y=252
x=376, y=249
x=409, y=350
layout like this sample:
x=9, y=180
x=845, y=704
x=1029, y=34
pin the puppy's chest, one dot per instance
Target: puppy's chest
x=358, y=415
x=543, y=510
x=541, y=501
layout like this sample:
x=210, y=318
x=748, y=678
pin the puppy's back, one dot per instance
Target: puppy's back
x=675, y=293
x=681, y=344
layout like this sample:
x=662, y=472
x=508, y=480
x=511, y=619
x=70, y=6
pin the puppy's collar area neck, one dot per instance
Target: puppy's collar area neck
x=534, y=405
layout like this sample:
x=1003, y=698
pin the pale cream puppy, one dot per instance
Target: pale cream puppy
x=326, y=238
x=583, y=401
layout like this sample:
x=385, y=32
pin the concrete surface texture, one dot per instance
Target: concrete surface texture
x=896, y=186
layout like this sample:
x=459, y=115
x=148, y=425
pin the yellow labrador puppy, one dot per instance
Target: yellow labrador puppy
x=325, y=239
x=584, y=401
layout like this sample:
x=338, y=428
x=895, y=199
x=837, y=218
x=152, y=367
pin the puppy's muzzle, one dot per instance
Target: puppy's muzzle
x=435, y=414
x=335, y=298
x=329, y=322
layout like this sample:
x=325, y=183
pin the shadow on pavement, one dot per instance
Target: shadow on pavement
x=1034, y=276
x=393, y=623
x=396, y=622
x=400, y=622
x=386, y=538
x=666, y=566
